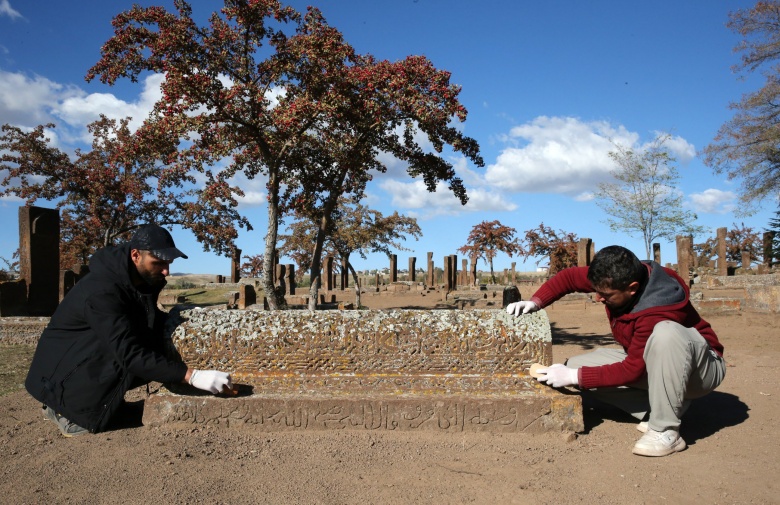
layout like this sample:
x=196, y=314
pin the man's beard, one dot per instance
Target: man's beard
x=152, y=280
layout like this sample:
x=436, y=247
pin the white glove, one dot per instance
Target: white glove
x=558, y=376
x=524, y=307
x=211, y=380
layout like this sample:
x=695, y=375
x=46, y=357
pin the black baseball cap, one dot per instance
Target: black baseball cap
x=157, y=240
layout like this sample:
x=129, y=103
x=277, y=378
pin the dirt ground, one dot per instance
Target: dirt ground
x=732, y=456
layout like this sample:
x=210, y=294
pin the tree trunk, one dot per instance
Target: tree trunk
x=315, y=267
x=325, y=222
x=271, y=294
x=357, y=283
x=492, y=276
x=315, y=271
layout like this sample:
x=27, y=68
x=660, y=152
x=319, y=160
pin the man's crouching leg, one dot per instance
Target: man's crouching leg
x=680, y=366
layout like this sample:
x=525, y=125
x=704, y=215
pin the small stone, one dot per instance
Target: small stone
x=569, y=437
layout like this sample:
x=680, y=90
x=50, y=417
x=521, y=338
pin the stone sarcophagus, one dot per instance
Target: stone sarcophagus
x=446, y=370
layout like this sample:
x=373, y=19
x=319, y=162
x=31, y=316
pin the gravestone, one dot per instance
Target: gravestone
x=583, y=252
x=393, y=268
x=399, y=370
x=430, y=281
x=328, y=275
x=235, y=266
x=723, y=266
x=684, y=258
x=39, y=258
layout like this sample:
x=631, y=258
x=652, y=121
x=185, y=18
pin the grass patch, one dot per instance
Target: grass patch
x=14, y=364
x=206, y=297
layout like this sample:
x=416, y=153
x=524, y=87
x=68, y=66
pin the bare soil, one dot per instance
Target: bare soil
x=731, y=459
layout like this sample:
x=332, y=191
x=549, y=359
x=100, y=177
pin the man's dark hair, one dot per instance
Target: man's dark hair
x=615, y=267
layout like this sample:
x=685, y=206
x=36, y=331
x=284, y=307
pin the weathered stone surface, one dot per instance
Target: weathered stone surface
x=540, y=411
x=398, y=369
x=763, y=298
x=22, y=330
x=399, y=287
x=741, y=281
x=718, y=305
x=256, y=343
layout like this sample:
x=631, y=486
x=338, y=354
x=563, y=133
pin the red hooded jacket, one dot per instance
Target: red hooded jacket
x=665, y=297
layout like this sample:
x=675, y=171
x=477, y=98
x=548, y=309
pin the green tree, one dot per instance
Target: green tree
x=559, y=247
x=644, y=199
x=747, y=147
x=487, y=239
x=105, y=192
x=282, y=94
x=774, y=229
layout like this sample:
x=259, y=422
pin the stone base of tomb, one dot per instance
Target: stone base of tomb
x=529, y=407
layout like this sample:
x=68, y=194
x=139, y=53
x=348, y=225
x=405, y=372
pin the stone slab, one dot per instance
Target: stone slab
x=763, y=299
x=397, y=369
x=538, y=411
x=742, y=281
x=718, y=305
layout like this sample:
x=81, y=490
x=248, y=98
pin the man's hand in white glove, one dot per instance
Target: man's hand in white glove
x=523, y=307
x=558, y=376
x=211, y=380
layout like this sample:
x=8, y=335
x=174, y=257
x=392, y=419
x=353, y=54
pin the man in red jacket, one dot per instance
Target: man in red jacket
x=670, y=354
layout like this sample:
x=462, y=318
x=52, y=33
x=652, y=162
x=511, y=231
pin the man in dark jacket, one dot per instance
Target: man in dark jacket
x=106, y=337
x=670, y=354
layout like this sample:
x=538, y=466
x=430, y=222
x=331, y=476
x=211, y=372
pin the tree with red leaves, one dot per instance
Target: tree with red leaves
x=739, y=239
x=560, y=247
x=487, y=239
x=252, y=267
x=104, y=193
x=280, y=94
x=354, y=229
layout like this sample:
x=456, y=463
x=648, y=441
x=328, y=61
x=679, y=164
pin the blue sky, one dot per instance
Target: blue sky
x=546, y=84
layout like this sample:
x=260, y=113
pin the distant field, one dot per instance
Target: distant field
x=192, y=278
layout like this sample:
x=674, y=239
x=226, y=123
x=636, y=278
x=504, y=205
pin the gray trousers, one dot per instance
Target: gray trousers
x=680, y=367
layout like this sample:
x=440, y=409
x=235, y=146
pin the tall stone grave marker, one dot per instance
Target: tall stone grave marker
x=39, y=258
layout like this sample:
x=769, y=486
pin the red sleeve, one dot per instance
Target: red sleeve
x=632, y=368
x=569, y=280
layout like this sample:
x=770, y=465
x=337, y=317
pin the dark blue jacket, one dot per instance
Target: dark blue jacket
x=104, y=337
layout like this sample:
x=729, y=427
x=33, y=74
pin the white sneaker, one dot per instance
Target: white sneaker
x=659, y=443
x=644, y=425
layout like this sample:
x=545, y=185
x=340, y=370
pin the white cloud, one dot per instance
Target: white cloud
x=29, y=101
x=7, y=10
x=713, y=201
x=680, y=148
x=566, y=155
x=559, y=155
x=255, y=193
x=78, y=111
x=415, y=196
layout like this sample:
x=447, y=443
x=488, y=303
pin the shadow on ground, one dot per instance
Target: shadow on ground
x=584, y=341
x=706, y=416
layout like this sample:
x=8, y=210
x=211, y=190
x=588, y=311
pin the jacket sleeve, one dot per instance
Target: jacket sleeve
x=632, y=368
x=107, y=314
x=569, y=280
